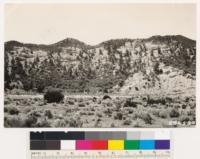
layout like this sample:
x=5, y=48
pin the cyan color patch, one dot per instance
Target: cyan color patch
x=147, y=144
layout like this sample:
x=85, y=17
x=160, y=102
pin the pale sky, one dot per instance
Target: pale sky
x=94, y=23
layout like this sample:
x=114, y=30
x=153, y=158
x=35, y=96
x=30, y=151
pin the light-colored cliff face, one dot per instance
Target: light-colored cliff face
x=171, y=82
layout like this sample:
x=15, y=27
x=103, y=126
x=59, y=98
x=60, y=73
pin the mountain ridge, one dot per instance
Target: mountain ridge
x=155, y=37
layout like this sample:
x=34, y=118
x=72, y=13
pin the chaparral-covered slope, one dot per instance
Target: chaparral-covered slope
x=126, y=66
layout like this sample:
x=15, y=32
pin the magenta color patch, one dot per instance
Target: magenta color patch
x=83, y=145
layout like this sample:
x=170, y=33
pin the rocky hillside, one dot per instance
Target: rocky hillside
x=115, y=66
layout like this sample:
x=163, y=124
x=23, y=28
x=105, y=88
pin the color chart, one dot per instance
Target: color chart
x=100, y=144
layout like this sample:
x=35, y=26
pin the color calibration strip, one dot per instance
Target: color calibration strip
x=100, y=140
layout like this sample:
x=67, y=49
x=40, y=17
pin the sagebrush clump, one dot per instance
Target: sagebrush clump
x=163, y=114
x=48, y=114
x=174, y=113
x=11, y=110
x=130, y=103
x=106, y=97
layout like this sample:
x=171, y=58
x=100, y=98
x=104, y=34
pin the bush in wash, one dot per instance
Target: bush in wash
x=53, y=95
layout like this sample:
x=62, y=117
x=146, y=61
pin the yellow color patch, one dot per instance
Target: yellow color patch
x=115, y=144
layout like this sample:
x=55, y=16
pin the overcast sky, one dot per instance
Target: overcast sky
x=94, y=23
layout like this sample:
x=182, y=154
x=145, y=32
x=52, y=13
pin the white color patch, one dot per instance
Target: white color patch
x=68, y=144
x=162, y=135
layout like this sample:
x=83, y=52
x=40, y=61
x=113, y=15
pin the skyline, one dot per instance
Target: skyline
x=91, y=44
x=95, y=23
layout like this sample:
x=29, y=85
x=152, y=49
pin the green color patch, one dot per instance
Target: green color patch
x=131, y=144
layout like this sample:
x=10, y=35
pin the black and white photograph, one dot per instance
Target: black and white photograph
x=100, y=65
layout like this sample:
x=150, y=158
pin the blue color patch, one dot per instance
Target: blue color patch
x=147, y=144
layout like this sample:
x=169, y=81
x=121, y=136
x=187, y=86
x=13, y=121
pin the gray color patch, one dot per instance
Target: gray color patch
x=92, y=135
x=148, y=135
x=133, y=135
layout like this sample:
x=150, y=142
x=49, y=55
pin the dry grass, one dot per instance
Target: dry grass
x=98, y=112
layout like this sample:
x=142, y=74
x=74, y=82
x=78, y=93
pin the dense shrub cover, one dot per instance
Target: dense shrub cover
x=53, y=95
